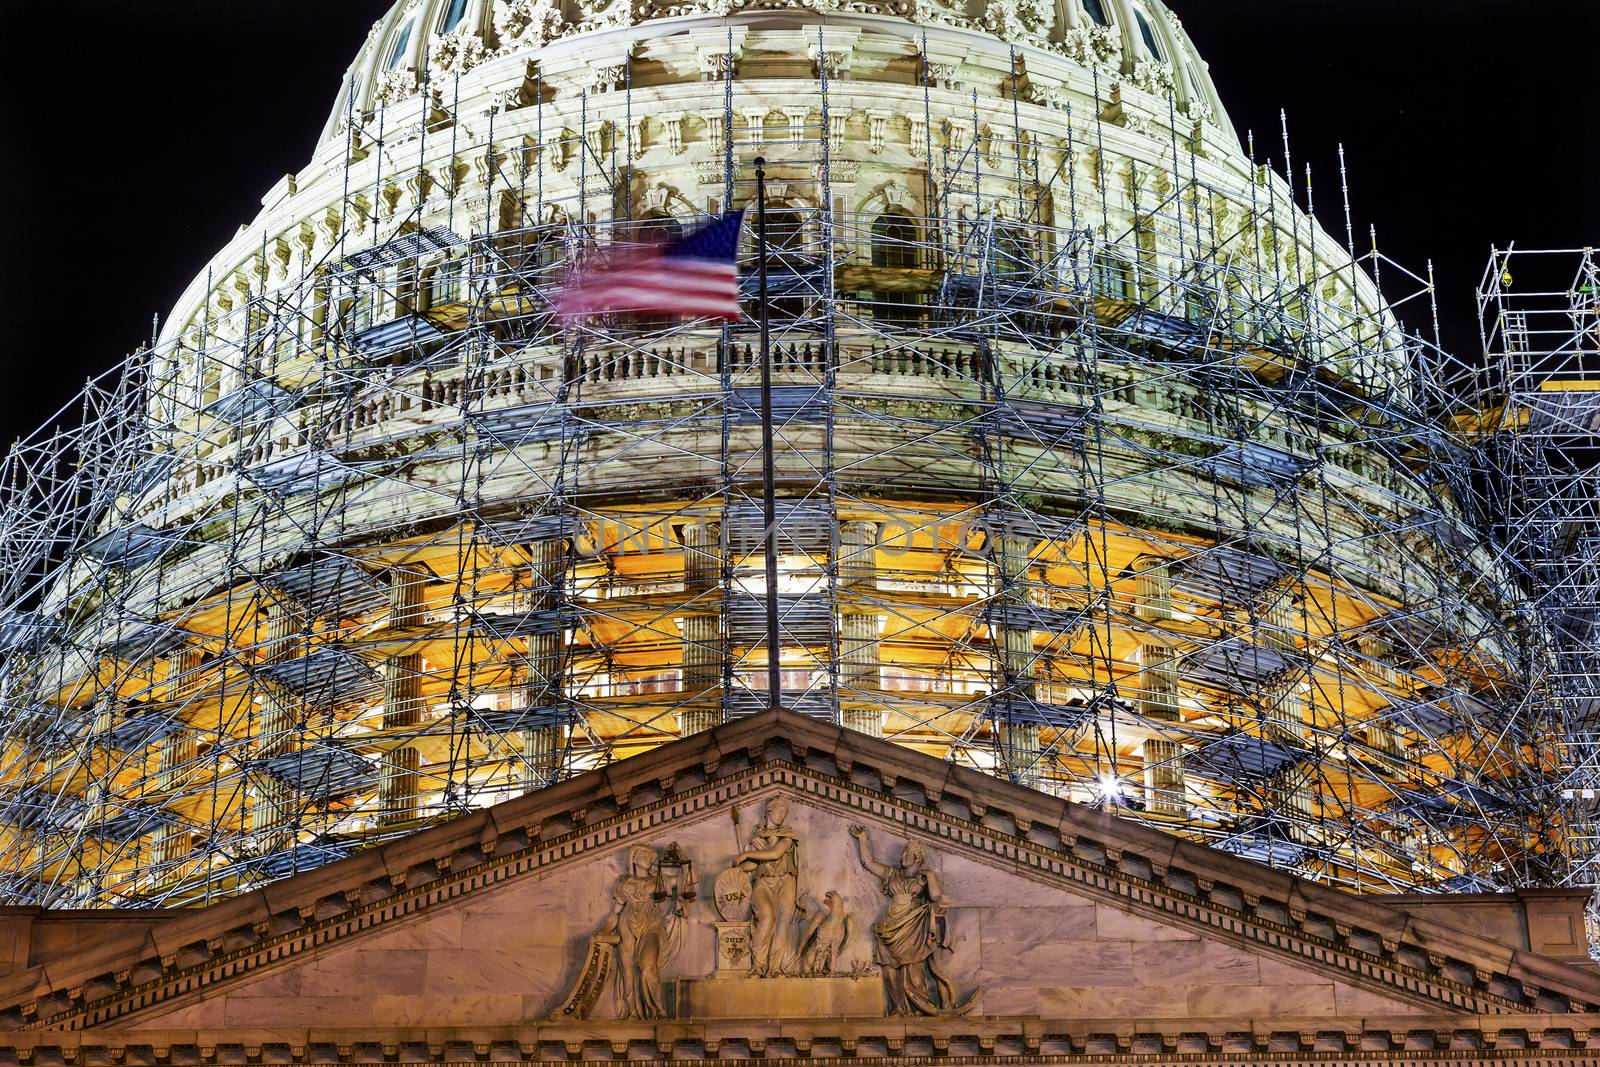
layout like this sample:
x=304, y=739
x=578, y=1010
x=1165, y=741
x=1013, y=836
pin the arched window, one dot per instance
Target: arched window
x=1013, y=253
x=1097, y=11
x=454, y=11
x=786, y=232
x=1114, y=276
x=397, y=51
x=893, y=237
x=448, y=284
x=656, y=228
x=357, y=309
x=1148, y=33
x=787, y=256
x=894, y=247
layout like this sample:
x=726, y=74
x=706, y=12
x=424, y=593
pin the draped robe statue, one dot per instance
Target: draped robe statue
x=773, y=862
x=910, y=933
x=645, y=939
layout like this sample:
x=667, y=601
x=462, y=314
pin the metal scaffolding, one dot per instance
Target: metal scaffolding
x=1539, y=310
x=1164, y=519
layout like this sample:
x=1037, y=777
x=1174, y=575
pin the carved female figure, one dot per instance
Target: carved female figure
x=644, y=937
x=908, y=934
x=772, y=861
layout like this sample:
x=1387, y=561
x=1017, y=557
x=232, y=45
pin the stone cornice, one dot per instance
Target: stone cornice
x=1366, y=943
x=1529, y=1040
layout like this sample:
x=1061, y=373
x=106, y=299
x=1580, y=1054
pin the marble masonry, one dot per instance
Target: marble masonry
x=783, y=888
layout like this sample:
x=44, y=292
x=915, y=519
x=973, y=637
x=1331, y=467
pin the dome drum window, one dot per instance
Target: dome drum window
x=454, y=12
x=1148, y=34
x=397, y=51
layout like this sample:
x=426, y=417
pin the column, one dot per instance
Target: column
x=402, y=700
x=702, y=626
x=858, y=630
x=1282, y=701
x=97, y=765
x=1292, y=792
x=177, y=748
x=1017, y=743
x=1164, y=790
x=272, y=816
x=541, y=739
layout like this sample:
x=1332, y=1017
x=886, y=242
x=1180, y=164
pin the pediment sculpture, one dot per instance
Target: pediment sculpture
x=911, y=934
x=770, y=928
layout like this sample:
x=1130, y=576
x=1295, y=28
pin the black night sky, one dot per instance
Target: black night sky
x=141, y=135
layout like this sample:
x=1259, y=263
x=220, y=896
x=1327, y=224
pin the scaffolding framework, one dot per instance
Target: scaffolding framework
x=1540, y=315
x=1161, y=519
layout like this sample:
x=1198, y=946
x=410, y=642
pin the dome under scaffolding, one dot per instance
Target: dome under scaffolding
x=1100, y=466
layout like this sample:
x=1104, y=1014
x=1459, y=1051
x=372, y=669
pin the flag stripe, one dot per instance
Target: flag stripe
x=695, y=275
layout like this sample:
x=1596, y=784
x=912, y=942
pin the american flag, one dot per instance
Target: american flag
x=693, y=275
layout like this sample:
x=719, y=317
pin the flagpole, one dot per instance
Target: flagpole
x=769, y=502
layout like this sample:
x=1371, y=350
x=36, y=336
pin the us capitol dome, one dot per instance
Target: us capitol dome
x=1101, y=465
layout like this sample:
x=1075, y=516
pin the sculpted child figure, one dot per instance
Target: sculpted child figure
x=773, y=862
x=908, y=934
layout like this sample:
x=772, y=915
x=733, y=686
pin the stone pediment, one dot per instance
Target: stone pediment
x=672, y=890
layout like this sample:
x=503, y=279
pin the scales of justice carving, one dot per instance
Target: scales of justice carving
x=765, y=929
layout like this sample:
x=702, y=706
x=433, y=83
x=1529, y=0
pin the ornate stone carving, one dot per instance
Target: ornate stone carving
x=842, y=173
x=955, y=134
x=877, y=129
x=772, y=861
x=1047, y=94
x=710, y=171
x=1153, y=76
x=674, y=127
x=755, y=126
x=394, y=86
x=917, y=141
x=715, y=66
x=944, y=75
x=643, y=937
x=796, y=118
x=607, y=15
x=838, y=123
x=527, y=23
x=716, y=130
x=1024, y=21
x=555, y=148
x=459, y=52
x=1092, y=45
x=606, y=77
x=826, y=936
x=940, y=13
x=833, y=64
x=910, y=934
x=599, y=137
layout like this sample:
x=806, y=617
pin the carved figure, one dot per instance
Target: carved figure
x=644, y=938
x=910, y=933
x=825, y=938
x=773, y=863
